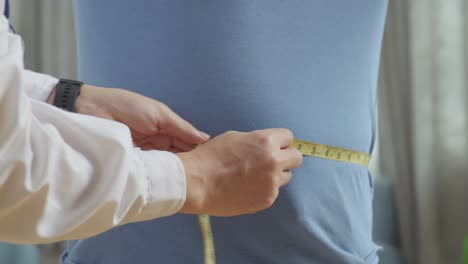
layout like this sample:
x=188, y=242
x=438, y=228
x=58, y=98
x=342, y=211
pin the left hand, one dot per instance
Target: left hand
x=153, y=124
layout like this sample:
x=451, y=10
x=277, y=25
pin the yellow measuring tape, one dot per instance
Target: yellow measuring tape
x=307, y=149
x=331, y=153
x=208, y=240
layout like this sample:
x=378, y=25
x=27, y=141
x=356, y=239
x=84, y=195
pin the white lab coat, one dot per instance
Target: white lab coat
x=70, y=176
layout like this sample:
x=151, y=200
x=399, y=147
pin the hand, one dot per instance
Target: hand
x=238, y=173
x=153, y=124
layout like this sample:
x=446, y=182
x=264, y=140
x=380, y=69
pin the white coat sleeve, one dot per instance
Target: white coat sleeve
x=38, y=85
x=70, y=176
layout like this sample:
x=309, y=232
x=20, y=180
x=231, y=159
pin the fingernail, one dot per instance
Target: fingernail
x=203, y=135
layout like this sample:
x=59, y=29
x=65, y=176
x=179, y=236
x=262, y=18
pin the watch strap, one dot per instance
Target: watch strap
x=66, y=93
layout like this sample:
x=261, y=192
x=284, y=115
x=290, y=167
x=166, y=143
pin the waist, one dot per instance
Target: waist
x=327, y=121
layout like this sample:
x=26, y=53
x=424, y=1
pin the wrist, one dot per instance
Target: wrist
x=195, y=184
x=89, y=101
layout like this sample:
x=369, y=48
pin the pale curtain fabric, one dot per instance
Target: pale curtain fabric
x=48, y=32
x=423, y=125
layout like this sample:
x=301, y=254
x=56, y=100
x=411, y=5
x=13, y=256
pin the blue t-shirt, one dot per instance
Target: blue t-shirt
x=307, y=65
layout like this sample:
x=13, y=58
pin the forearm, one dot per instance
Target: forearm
x=68, y=176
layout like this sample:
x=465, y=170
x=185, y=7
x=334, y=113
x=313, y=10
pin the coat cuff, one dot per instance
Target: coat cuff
x=37, y=85
x=166, y=184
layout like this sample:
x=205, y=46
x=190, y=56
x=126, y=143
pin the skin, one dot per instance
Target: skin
x=232, y=174
x=239, y=173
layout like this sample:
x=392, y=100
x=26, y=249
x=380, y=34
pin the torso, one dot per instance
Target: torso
x=307, y=65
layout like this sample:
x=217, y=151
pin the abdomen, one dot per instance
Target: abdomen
x=307, y=65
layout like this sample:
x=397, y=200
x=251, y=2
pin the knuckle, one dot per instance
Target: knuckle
x=264, y=138
x=289, y=134
x=269, y=200
x=300, y=158
x=277, y=158
x=267, y=166
x=278, y=181
x=273, y=182
x=158, y=111
x=270, y=182
x=162, y=105
x=257, y=134
x=153, y=127
x=275, y=168
x=158, y=107
x=287, y=177
x=273, y=160
x=162, y=109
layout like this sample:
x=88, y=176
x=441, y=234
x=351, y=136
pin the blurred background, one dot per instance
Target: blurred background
x=421, y=163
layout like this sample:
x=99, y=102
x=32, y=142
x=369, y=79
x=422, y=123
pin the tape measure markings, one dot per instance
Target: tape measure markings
x=331, y=153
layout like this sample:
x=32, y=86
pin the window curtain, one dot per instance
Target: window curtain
x=423, y=125
x=48, y=33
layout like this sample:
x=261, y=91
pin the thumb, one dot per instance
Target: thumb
x=175, y=126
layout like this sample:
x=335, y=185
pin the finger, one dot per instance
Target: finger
x=285, y=178
x=292, y=158
x=174, y=150
x=177, y=127
x=137, y=136
x=282, y=135
x=159, y=142
x=164, y=142
x=147, y=146
x=178, y=144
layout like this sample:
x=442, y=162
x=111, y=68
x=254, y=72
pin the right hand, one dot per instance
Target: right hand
x=238, y=173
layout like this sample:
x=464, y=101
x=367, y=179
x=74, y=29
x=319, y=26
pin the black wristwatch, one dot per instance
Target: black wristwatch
x=66, y=93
